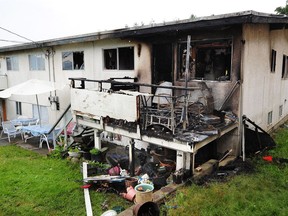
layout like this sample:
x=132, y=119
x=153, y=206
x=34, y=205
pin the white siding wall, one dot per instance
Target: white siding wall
x=94, y=69
x=263, y=91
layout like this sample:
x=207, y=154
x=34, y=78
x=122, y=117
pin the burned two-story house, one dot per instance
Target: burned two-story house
x=183, y=86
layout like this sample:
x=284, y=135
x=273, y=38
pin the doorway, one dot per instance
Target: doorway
x=162, y=63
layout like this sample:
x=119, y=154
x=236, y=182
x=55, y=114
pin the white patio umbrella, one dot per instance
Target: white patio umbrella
x=32, y=87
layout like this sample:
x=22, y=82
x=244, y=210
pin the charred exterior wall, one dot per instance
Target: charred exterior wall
x=143, y=70
x=220, y=88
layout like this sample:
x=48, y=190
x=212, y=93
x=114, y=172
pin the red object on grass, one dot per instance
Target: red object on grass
x=268, y=158
x=86, y=186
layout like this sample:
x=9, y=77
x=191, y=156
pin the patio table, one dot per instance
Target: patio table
x=23, y=121
x=36, y=130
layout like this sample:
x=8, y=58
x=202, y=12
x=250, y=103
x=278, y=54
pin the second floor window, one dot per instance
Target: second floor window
x=285, y=67
x=73, y=60
x=12, y=63
x=208, y=60
x=36, y=62
x=273, y=60
x=119, y=58
x=269, y=121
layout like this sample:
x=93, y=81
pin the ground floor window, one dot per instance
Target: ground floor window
x=18, y=108
x=208, y=60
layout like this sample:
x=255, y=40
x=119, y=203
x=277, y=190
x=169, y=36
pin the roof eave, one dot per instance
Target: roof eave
x=163, y=28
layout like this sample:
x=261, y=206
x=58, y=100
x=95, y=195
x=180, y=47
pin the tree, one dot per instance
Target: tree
x=192, y=17
x=282, y=10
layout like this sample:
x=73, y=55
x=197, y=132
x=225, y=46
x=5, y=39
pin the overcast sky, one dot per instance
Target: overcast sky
x=48, y=19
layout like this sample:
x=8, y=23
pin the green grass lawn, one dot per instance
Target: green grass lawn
x=263, y=192
x=32, y=184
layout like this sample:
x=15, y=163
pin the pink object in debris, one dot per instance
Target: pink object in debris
x=130, y=195
x=114, y=171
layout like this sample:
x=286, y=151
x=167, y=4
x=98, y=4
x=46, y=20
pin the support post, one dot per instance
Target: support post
x=97, y=139
x=187, y=161
x=132, y=157
x=193, y=162
x=86, y=193
x=180, y=160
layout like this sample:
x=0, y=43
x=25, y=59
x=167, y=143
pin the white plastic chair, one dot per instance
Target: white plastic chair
x=9, y=129
x=48, y=137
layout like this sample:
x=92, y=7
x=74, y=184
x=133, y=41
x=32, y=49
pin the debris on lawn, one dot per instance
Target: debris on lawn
x=223, y=174
x=270, y=158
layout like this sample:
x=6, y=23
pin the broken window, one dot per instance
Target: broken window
x=209, y=60
x=12, y=63
x=285, y=67
x=73, y=60
x=273, y=60
x=119, y=58
x=36, y=62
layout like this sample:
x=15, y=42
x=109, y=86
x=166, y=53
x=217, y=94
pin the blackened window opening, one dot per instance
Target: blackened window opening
x=78, y=60
x=273, y=60
x=110, y=59
x=126, y=58
x=207, y=61
x=119, y=58
x=73, y=60
x=285, y=67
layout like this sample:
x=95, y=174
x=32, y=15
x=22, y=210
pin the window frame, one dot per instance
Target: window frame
x=18, y=108
x=122, y=63
x=14, y=63
x=284, y=67
x=36, y=62
x=198, y=47
x=72, y=60
x=273, y=61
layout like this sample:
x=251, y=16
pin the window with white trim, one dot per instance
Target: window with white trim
x=12, y=63
x=18, y=108
x=121, y=58
x=73, y=60
x=36, y=62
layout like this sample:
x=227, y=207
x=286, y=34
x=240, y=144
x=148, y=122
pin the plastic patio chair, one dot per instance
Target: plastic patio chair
x=48, y=137
x=36, y=122
x=9, y=129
